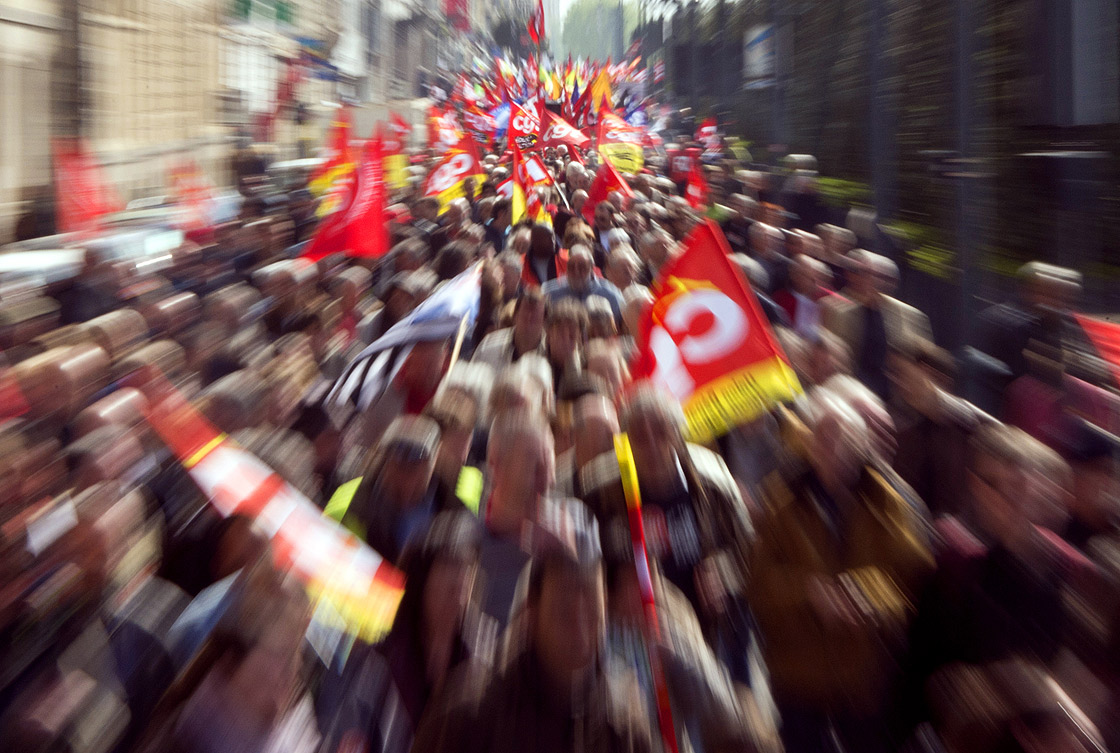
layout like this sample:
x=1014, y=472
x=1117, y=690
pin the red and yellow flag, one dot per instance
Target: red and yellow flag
x=705, y=339
x=460, y=162
x=339, y=162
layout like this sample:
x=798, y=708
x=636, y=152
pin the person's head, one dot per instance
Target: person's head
x=807, y=275
x=998, y=480
x=512, y=393
x=604, y=215
x=528, y=315
x=656, y=248
x=581, y=267
x=919, y=370
x=509, y=270
x=594, y=426
x=828, y=355
x=440, y=571
x=871, y=409
x=622, y=266
x=863, y=277
x=766, y=241
x=1048, y=286
x=519, y=240
x=542, y=242
x=485, y=208
x=635, y=299
x=841, y=443
x=756, y=274
x=577, y=231
x=457, y=211
x=456, y=412
x=573, y=175
x=565, y=603
x=600, y=319
x=605, y=360
x=452, y=260
x=579, y=198
x=744, y=207
x=521, y=462
x=427, y=208
x=566, y=330
x=502, y=212
x=655, y=423
x=406, y=455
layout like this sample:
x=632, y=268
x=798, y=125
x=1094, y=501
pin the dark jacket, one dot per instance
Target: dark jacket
x=515, y=712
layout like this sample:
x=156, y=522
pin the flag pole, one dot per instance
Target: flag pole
x=651, y=627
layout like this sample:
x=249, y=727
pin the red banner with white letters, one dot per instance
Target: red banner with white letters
x=524, y=127
x=557, y=132
x=705, y=339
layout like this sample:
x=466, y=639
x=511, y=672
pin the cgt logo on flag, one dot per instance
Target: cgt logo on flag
x=705, y=339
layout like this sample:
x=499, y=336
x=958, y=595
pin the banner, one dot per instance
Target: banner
x=358, y=227
x=620, y=143
x=524, y=127
x=345, y=579
x=558, y=131
x=460, y=162
x=705, y=339
x=82, y=195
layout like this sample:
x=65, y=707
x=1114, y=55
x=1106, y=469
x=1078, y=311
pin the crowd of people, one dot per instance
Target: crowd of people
x=878, y=566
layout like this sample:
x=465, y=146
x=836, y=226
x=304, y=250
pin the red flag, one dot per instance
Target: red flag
x=696, y=192
x=705, y=339
x=536, y=24
x=83, y=196
x=524, y=127
x=606, y=180
x=480, y=123
x=557, y=131
x=459, y=163
x=357, y=228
